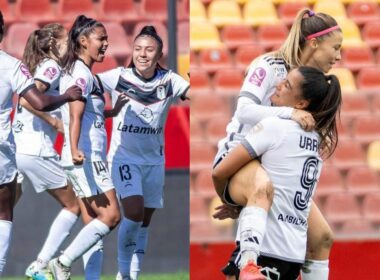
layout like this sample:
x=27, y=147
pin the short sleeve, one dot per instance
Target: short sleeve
x=258, y=80
x=263, y=137
x=21, y=79
x=48, y=73
x=83, y=80
x=109, y=79
x=179, y=84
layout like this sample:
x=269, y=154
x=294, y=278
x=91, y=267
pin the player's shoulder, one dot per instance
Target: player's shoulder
x=8, y=61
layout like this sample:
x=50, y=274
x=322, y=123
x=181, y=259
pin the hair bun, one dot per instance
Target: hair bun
x=148, y=29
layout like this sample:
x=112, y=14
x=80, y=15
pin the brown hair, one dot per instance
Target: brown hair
x=39, y=43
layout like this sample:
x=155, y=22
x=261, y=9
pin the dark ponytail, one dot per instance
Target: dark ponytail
x=324, y=94
x=1, y=26
x=81, y=26
x=149, y=30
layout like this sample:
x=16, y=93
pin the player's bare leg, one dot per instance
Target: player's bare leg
x=251, y=188
x=320, y=239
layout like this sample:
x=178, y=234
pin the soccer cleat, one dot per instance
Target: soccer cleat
x=59, y=271
x=33, y=272
x=251, y=272
x=119, y=277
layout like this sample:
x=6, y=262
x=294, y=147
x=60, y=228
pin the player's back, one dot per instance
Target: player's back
x=294, y=166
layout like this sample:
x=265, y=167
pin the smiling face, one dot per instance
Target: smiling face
x=325, y=53
x=289, y=93
x=146, y=55
x=94, y=45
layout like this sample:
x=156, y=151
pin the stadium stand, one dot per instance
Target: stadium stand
x=224, y=12
x=39, y=11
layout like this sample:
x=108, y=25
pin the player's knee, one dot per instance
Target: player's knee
x=327, y=239
x=114, y=219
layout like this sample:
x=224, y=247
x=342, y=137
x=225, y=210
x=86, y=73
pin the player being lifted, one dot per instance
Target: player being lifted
x=136, y=155
x=273, y=235
x=314, y=40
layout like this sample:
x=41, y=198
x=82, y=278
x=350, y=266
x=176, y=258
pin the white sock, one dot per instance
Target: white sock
x=315, y=270
x=59, y=230
x=86, y=238
x=138, y=255
x=126, y=245
x=93, y=261
x=5, y=240
x=252, y=229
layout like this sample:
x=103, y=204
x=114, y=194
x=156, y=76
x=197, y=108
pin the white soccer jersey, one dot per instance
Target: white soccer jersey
x=93, y=138
x=290, y=157
x=33, y=135
x=14, y=77
x=264, y=74
x=138, y=130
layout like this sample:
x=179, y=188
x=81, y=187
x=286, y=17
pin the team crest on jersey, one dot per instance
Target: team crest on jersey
x=258, y=76
x=161, y=92
x=146, y=115
x=81, y=83
x=25, y=71
x=50, y=73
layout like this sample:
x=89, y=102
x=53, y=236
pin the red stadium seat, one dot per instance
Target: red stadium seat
x=198, y=208
x=342, y=207
x=330, y=182
x=213, y=59
x=363, y=12
x=272, y=35
x=196, y=129
x=356, y=58
x=160, y=28
x=344, y=127
x=216, y=128
x=288, y=11
x=228, y=81
x=348, y=154
x=155, y=9
x=7, y=12
x=362, y=180
x=371, y=207
x=38, y=11
x=68, y=10
x=245, y=54
x=183, y=10
x=203, y=183
x=234, y=36
x=368, y=78
x=198, y=230
x=119, y=45
x=354, y=105
x=201, y=155
x=17, y=37
x=201, y=105
x=120, y=10
x=108, y=63
x=357, y=227
x=200, y=81
x=366, y=128
x=183, y=37
x=371, y=33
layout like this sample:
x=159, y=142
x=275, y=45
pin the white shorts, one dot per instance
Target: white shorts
x=43, y=173
x=8, y=169
x=145, y=180
x=91, y=178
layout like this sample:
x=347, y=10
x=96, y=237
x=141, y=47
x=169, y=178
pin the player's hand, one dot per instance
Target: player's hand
x=305, y=119
x=58, y=125
x=226, y=211
x=78, y=156
x=122, y=99
x=74, y=93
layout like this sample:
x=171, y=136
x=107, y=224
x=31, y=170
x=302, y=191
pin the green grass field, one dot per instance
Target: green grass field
x=171, y=276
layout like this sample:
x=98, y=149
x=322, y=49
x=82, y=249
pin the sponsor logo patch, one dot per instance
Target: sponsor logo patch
x=50, y=73
x=258, y=76
x=25, y=71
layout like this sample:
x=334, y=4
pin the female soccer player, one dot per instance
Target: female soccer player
x=15, y=77
x=35, y=133
x=84, y=152
x=136, y=154
x=292, y=159
x=314, y=40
